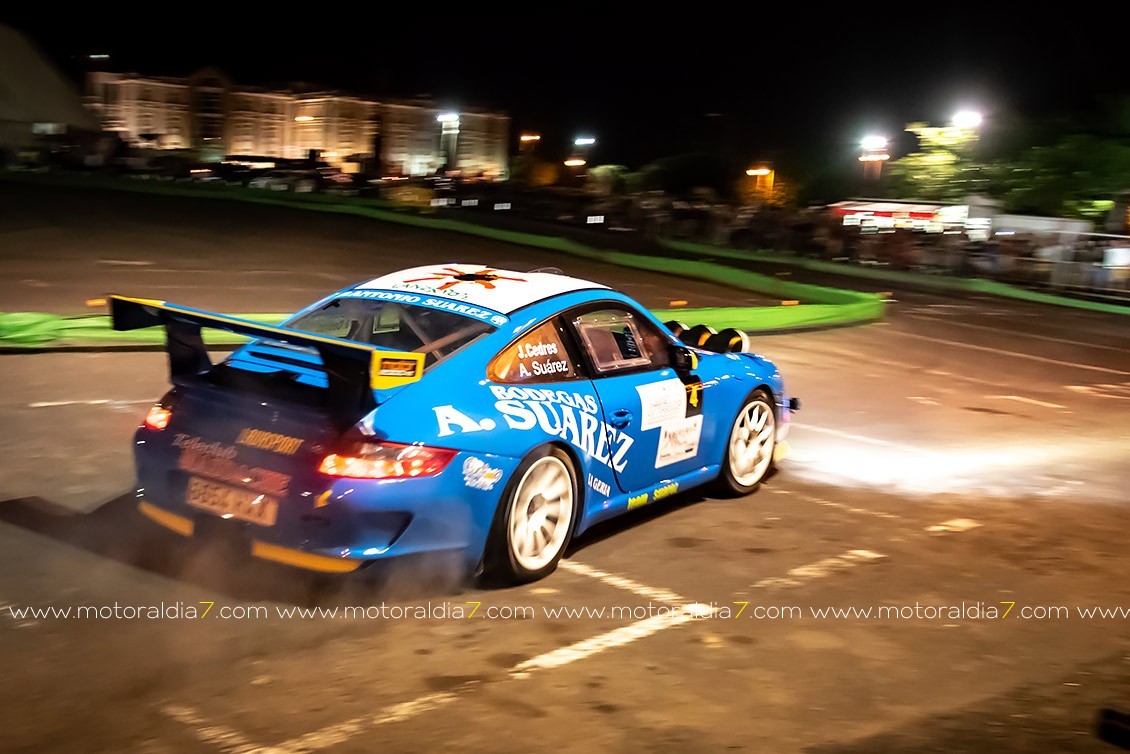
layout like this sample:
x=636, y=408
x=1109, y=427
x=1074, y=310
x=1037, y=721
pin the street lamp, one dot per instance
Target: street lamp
x=763, y=176
x=574, y=162
x=874, y=143
x=526, y=138
x=874, y=155
x=584, y=141
x=967, y=119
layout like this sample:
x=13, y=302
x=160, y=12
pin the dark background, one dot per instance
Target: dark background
x=797, y=87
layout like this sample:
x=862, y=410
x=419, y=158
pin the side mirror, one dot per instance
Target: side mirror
x=683, y=359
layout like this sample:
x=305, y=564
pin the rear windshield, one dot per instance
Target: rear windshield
x=395, y=326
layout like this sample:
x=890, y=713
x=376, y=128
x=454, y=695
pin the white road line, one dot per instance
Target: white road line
x=222, y=737
x=1113, y=391
x=681, y=612
x=1030, y=401
x=98, y=402
x=954, y=525
x=620, y=582
x=1019, y=333
x=617, y=637
x=849, y=508
x=866, y=439
x=335, y=735
x=821, y=568
x=1016, y=354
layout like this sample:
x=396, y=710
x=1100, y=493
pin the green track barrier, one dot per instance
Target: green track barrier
x=822, y=306
x=899, y=277
x=37, y=330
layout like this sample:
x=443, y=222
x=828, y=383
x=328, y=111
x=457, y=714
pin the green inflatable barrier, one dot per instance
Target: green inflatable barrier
x=898, y=277
x=819, y=305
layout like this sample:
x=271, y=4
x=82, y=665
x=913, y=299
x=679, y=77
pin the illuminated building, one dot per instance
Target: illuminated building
x=209, y=115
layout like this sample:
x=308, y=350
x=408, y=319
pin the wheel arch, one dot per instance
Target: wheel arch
x=579, y=467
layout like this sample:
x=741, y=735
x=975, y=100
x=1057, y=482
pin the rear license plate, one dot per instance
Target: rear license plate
x=232, y=502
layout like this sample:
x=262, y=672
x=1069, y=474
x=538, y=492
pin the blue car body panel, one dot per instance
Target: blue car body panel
x=620, y=459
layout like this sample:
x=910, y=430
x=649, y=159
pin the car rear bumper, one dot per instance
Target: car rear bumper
x=337, y=525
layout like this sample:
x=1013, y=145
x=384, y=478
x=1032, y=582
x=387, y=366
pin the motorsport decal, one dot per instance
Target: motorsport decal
x=600, y=486
x=667, y=490
x=694, y=387
x=538, y=353
x=662, y=402
x=217, y=461
x=449, y=416
x=678, y=441
x=264, y=440
x=532, y=353
x=570, y=416
x=480, y=313
x=480, y=476
x=454, y=277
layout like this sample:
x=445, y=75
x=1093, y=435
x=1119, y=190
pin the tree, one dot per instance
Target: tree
x=943, y=169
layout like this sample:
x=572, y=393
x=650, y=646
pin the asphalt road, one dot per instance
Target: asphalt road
x=964, y=451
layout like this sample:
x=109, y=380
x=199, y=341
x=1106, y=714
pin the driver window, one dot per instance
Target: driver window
x=538, y=356
x=617, y=339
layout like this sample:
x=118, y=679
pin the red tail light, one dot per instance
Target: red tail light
x=387, y=460
x=158, y=417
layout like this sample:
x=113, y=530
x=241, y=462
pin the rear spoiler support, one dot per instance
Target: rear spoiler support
x=353, y=370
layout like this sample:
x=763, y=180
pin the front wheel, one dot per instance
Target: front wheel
x=534, y=522
x=749, y=449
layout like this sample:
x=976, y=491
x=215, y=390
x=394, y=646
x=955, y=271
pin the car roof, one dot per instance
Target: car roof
x=492, y=288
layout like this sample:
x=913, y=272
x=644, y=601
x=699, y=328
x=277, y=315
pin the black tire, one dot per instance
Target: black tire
x=502, y=564
x=698, y=335
x=676, y=327
x=730, y=340
x=731, y=481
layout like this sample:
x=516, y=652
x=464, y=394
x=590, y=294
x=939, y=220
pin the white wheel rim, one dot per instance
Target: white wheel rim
x=541, y=513
x=751, y=443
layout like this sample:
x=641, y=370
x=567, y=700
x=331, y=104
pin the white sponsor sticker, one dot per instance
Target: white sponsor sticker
x=662, y=402
x=478, y=475
x=678, y=441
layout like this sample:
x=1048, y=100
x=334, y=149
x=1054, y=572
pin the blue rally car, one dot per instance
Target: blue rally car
x=447, y=407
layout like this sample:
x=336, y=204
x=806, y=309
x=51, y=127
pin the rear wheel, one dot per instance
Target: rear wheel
x=535, y=519
x=749, y=449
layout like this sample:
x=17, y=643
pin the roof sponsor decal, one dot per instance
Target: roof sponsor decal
x=432, y=302
x=489, y=288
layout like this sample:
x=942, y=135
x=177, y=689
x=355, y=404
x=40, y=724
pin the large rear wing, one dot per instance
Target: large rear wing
x=353, y=370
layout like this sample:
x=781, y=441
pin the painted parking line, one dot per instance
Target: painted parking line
x=664, y=596
x=839, y=506
x=682, y=612
x=220, y=736
x=954, y=525
x=231, y=741
x=1114, y=391
x=820, y=569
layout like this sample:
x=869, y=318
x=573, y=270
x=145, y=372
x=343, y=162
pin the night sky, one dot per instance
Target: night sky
x=755, y=85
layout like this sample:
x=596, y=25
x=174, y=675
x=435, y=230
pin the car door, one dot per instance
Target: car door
x=543, y=392
x=647, y=404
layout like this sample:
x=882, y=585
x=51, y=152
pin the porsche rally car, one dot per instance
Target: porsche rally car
x=493, y=413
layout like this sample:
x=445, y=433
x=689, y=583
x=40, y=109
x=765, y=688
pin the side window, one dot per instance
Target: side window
x=538, y=356
x=617, y=339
